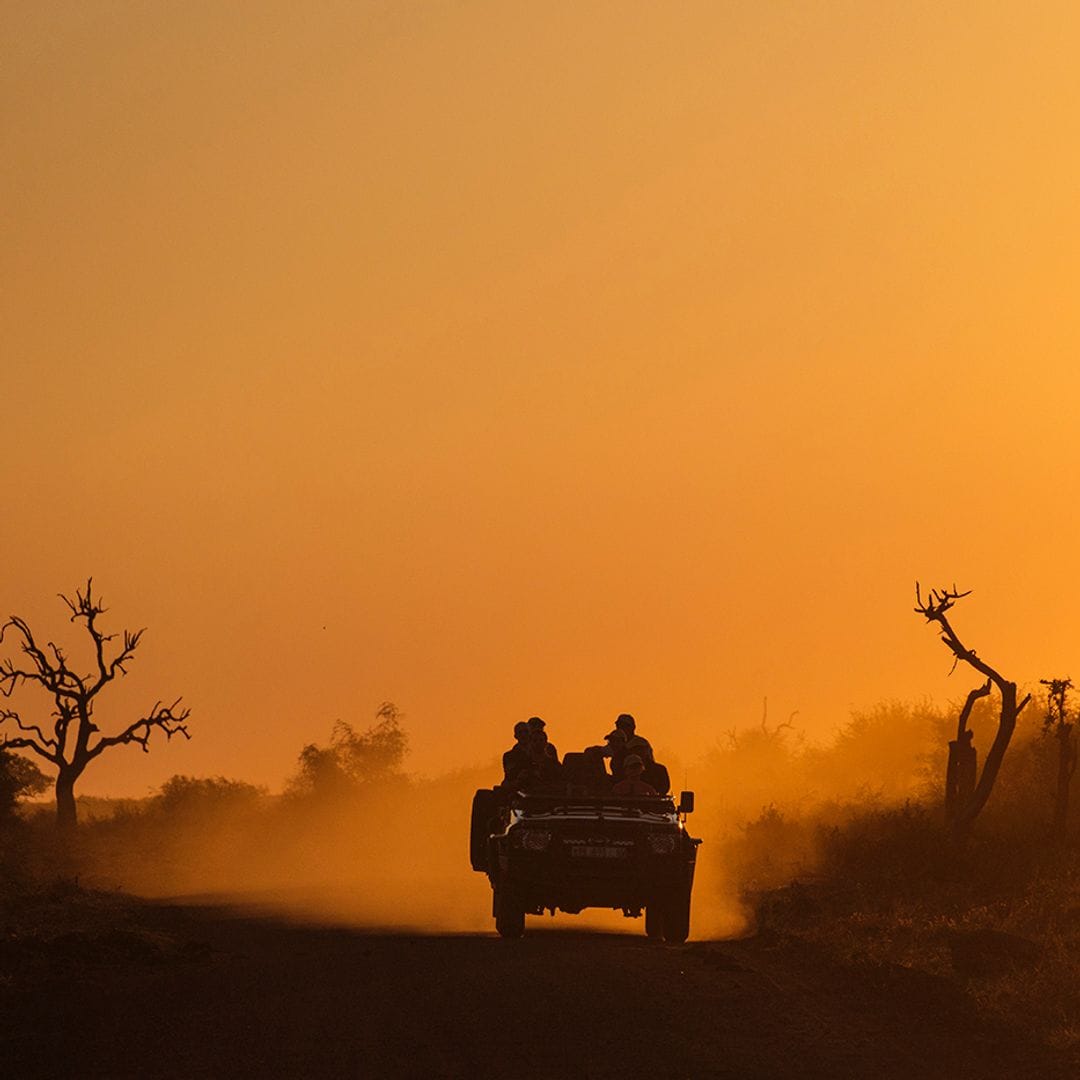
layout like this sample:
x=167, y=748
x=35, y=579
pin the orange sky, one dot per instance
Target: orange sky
x=503, y=358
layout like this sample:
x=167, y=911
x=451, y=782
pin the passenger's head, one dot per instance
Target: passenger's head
x=633, y=766
x=625, y=722
x=521, y=731
x=535, y=724
x=616, y=740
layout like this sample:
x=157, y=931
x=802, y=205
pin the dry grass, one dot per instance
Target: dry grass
x=1000, y=922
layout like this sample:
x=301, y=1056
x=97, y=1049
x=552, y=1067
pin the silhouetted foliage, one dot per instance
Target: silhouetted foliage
x=74, y=739
x=19, y=778
x=207, y=796
x=354, y=760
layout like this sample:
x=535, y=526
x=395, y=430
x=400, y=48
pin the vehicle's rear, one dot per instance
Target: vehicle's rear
x=567, y=854
x=574, y=856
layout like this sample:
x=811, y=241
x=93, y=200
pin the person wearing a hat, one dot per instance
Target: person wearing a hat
x=633, y=767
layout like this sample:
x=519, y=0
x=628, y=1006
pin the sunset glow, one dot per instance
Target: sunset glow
x=503, y=359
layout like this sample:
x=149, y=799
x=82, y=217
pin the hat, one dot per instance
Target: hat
x=616, y=734
x=535, y=721
x=632, y=759
x=625, y=720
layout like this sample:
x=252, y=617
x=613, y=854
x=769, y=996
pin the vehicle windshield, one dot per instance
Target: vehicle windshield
x=649, y=807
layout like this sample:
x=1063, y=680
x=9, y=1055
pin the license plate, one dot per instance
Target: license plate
x=583, y=851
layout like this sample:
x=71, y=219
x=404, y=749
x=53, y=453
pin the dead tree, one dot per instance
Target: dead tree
x=1057, y=724
x=71, y=739
x=935, y=609
x=963, y=767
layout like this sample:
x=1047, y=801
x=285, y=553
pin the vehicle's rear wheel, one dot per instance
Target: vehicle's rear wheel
x=677, y=917
x=654, y=920
x=509, y=914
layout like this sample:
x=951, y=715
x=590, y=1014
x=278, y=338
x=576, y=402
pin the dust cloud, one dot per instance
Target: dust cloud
x=390, y=850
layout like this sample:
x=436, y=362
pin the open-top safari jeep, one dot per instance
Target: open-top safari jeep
x=547, y=851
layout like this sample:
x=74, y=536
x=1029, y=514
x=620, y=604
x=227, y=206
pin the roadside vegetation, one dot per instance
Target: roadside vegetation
x=858, y=865
x=886, y=850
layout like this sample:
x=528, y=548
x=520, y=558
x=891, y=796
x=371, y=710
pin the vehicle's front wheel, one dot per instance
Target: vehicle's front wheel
x=677, y=917
x=654, y=920
x=509, y=914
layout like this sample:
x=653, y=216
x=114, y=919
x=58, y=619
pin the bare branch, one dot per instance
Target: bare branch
x=934, y=610
x=30, y=729
x=29, y=744
x=161, y=717
x=965, y=712
x=40, y=745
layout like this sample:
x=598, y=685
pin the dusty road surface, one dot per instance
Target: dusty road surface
x=212, y=993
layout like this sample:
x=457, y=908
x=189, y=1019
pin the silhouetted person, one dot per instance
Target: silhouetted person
x=517, y=759
x=655, y=774
x=536, y=726
x=633, y=784
x=543, y=770
x=635, y=743
x=615, y=750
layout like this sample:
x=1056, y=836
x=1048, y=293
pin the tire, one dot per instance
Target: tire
x=484, y=807
x=654, y=920
x=677, y=917
x=509, y=915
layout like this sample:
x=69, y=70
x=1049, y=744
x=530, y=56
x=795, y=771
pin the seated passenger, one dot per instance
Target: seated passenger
x=536, y=727
x=516, y=758
x=614, y=749
x=635, y=743
x=543, y=770
x=655, y=773
x=633, y=766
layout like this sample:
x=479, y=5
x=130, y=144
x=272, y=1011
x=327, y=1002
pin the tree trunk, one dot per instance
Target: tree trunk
x=65, y=800
x=1006, y=726
x=1066, y=768
x=951, y=800
x=960, y=776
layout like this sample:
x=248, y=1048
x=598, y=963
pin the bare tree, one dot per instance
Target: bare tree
x=963, y=768
x=1058, y=724
x=73, y=739
x=935, y=609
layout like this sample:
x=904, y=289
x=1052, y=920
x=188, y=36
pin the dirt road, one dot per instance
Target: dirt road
x=209, y=993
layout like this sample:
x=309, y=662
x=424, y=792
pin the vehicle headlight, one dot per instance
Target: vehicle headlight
x=535, y=839
x=662, y=843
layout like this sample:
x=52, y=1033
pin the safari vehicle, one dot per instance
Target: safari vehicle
x=569, y=852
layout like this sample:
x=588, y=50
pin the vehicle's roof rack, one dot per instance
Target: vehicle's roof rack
x=644, y=802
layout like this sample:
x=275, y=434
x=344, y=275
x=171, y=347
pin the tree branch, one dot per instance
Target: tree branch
x=164, y=718
x=30, y=729
x=86, y=608
x=934, y=609
x=40, y=745
x=965, y=712
x=52, y=678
